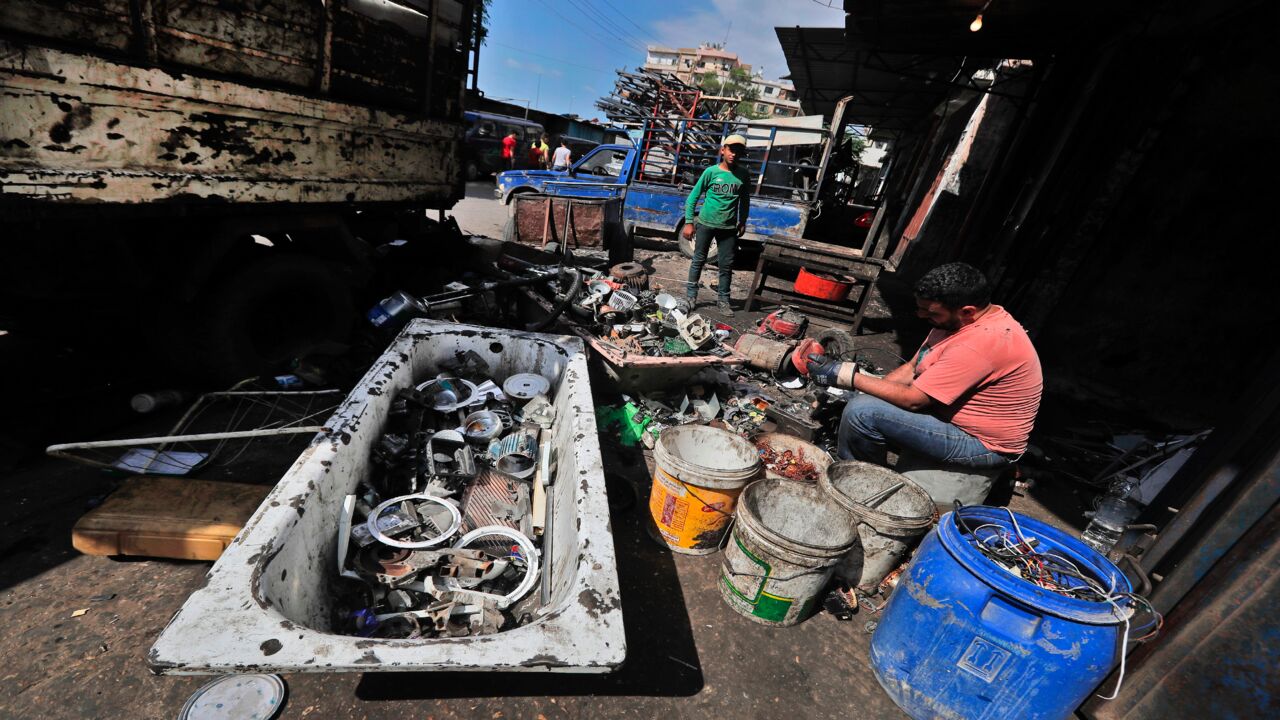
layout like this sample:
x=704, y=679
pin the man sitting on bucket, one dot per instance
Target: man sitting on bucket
x=969, y=395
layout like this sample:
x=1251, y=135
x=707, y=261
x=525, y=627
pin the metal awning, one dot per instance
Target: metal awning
x=899, y=58
x=891, y=91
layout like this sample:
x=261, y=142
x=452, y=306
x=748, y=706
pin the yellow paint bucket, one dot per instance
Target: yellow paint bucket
x=699, y=473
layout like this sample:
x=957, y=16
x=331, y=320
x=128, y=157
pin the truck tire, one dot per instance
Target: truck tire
x=272, y=311
x=686, y=246
x=509, y=232
x=473, y=172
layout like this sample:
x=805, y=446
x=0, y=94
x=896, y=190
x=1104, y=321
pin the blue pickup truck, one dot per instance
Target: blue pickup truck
x=660, y=168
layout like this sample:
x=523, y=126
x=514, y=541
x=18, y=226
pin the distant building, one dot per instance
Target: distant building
x=873, y=154
x=689, y=64
x=777, y=98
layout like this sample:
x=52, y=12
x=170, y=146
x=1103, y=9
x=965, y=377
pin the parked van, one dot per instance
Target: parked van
x=482, y=150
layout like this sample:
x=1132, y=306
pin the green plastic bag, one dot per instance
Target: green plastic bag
x=631, y=420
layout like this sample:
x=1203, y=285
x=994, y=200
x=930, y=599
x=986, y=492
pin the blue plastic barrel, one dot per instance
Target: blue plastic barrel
x=962, y=637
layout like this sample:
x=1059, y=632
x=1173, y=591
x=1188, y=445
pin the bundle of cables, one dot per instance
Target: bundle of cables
x=1010, y=549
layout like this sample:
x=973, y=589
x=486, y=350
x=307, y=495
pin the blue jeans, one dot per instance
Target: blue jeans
x=727, y=241
x=869, y=424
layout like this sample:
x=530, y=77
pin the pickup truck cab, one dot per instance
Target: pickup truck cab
x=654, y=201
x=602, y=164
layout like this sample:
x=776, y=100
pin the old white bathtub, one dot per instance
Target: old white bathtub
x=266, y=605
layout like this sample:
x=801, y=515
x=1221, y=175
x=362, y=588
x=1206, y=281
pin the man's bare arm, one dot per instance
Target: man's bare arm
x=895, y=388
x=905, y=396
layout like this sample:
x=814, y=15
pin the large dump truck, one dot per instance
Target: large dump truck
x=221, y=166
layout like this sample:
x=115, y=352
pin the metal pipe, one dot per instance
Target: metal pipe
x=59, y=450
x=548, y=526
x=883, y=495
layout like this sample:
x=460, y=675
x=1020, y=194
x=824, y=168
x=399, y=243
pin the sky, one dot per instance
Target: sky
x=560, y=55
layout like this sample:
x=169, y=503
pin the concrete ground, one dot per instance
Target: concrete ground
x=689, y=655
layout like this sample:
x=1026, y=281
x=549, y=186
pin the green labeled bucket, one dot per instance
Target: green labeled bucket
x=785, y=543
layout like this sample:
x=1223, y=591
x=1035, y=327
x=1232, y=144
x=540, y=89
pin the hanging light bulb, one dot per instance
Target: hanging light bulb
x=976, y=25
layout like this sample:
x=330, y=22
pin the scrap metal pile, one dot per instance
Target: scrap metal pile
x=769, y=394
x=790, y=464
x=445, y=538
x=621, y=309
x=731, y=402
x=653, y=93
x=682, y=126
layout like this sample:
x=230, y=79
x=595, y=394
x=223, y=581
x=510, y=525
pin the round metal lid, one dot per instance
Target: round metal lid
x=524, y=386
x=236, y=697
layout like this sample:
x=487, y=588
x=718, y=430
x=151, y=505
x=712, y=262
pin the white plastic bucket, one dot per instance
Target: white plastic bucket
x=886, y=531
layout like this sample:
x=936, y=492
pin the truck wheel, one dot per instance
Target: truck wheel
x=272, y=311
x=509, y=232
x=511, y=198
x=686, y=246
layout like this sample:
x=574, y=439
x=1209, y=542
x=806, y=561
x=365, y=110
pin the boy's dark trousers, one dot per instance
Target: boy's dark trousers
x=727, y=242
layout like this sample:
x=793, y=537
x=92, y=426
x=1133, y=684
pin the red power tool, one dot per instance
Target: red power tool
x=784, y=322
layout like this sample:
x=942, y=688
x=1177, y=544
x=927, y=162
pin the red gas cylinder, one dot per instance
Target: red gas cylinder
x=822, y=286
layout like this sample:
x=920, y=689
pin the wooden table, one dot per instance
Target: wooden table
x=815, y=257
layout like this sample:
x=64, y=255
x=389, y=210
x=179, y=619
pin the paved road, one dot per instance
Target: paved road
x=480, y=213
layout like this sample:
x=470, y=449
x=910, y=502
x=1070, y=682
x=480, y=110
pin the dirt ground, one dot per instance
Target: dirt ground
x=689, y=655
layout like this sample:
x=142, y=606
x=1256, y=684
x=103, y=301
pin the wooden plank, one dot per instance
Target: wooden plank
x=168, y=517
x=838, y=266
x=818, y=247
x=104, y=24
x=250, y=39
x=103, y=131
x=808, y=305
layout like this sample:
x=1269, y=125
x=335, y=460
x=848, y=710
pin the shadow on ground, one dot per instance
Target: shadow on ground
x=655, y=619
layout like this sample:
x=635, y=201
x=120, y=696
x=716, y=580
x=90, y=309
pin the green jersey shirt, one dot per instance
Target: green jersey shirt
x=728, y=197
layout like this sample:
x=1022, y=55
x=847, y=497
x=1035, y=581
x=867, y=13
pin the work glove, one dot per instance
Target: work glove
x=824, y=370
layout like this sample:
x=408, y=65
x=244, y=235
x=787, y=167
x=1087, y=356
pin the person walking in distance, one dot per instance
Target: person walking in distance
x=725, y=192
x=509, y=150
x=562, y=158
x=544, y=151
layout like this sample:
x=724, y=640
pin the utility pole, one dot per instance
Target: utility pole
x=537, y=94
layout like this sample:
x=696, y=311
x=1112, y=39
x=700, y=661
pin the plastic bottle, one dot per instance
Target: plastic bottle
x=1109, y=522
x=148, y=402
x=398, y=303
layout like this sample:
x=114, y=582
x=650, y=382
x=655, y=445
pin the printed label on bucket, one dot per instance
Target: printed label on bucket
x=688, y=516
x=748, y=585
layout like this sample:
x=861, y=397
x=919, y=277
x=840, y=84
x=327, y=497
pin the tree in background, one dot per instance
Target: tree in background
x=852, y=145
x=482, y=13
x=736, y=84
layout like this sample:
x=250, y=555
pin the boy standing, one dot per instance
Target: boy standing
x=723, y=218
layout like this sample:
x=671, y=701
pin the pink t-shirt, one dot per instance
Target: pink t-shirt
x=986, y=378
